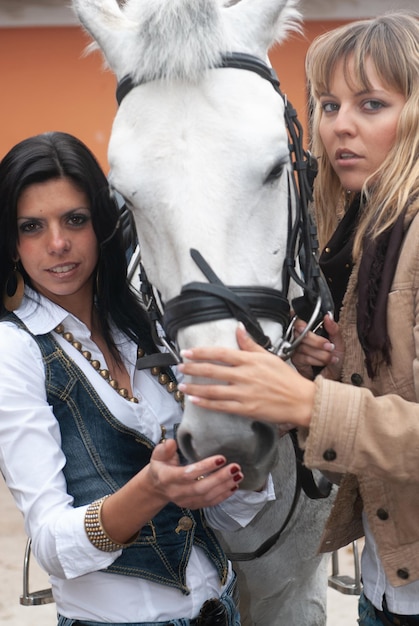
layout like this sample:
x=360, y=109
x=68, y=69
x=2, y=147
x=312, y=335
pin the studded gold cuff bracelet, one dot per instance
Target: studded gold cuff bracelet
x=95, y=531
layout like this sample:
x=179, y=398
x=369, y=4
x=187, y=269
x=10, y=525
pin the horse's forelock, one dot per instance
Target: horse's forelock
x=182, y=39
x=178, y=39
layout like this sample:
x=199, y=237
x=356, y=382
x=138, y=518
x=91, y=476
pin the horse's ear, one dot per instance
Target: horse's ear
x=261, y=24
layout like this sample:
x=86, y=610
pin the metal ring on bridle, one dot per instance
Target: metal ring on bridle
x=287, y=347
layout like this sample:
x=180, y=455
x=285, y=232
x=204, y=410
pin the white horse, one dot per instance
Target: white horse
x=199, y=150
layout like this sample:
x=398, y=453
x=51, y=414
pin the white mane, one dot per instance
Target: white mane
x=179, y=40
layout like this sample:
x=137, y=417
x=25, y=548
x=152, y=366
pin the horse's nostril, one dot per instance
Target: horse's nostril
x=186, y=446
x=264, y=433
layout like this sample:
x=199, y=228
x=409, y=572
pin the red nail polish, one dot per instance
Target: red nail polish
x=237, y=477
x=219, y=462
x=234, y=488
x=235, y=469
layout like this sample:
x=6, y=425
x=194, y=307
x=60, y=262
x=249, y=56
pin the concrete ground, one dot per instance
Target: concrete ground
x=342, y=609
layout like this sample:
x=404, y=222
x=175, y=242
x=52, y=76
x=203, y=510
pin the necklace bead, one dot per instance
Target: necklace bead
x=171, y=386
x=163, y=378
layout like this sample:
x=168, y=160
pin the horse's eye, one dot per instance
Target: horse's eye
x=275, y=172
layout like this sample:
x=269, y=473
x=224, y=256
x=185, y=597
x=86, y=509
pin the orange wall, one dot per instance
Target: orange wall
x=47, y=84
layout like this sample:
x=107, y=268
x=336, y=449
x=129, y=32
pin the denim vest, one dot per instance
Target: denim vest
x=101, y=456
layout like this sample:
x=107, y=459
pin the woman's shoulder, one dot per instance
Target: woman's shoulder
x=412, y=226
x=15, y=339
x=407, y=271
x=20, y=359
x=412, y=213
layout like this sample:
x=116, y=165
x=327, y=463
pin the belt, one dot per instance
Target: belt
x=394, y=619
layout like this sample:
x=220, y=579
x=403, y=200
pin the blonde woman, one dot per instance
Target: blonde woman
x=360, y=417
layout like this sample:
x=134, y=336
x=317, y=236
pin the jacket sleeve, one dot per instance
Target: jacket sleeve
x=354, y=431
x=367, y=433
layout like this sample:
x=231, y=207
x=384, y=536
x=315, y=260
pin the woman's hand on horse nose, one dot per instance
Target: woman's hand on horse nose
x=229, y=356
x=251, y=382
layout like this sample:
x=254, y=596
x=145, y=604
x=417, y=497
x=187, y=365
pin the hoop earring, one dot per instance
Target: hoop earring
x=14, y=290
x=98, y=279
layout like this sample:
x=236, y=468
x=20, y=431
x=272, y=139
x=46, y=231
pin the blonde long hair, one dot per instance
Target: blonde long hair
x=391, y=41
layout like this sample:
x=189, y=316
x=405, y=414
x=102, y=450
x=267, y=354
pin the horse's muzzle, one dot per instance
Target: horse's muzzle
x=253, y=445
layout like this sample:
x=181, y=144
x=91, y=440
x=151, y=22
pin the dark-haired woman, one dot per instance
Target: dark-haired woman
x=86, y=439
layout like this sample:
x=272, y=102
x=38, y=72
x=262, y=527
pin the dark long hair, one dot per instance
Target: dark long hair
x=56, y=155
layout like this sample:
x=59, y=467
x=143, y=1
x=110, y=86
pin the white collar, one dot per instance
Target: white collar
x=41, y=316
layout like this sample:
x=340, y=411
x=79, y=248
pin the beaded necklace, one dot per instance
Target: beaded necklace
x=162, y=376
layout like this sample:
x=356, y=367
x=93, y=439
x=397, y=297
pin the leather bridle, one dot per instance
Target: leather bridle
x=212, y=300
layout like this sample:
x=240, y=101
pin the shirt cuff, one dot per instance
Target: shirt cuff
x=238, y=511
x=76, y=554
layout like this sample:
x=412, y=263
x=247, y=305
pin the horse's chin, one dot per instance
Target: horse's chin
x=252, y=445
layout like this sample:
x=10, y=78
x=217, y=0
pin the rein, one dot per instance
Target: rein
x=304, y=480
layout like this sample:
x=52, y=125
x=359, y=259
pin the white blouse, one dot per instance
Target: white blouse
x=31, y=461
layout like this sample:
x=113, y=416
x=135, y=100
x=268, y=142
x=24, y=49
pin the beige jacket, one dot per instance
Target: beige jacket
x=369, y=430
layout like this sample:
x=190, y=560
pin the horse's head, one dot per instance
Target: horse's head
x=201, y=155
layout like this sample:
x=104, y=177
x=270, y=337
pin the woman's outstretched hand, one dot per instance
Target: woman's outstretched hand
x=201, y=484
x=250, y=382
